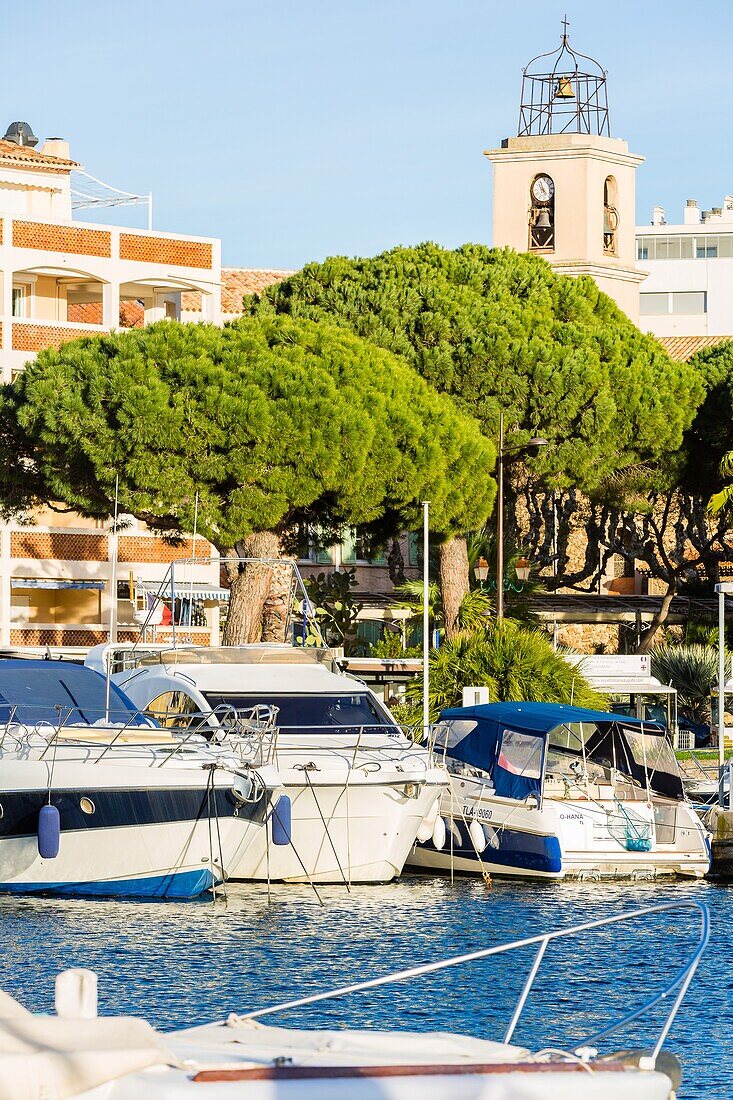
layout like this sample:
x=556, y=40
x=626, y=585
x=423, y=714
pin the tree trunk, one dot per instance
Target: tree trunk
x=276, y=611
x=396, y=563
x=251, y=584
x=454, y=582
x=647, y=637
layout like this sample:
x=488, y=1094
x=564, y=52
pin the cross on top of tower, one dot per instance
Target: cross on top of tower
x=565, y=25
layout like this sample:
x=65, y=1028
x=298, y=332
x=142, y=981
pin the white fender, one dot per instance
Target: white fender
x=439, y=834
x=478, y=835
x=427, y=824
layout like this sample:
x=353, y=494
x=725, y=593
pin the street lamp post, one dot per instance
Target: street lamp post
x=726, y=588
x=500, y=523
x=535, y=442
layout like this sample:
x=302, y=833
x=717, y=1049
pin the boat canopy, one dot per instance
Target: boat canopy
x=61, y=692
x=509, y=741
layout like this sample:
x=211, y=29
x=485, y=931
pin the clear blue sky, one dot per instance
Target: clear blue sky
x=295, y=130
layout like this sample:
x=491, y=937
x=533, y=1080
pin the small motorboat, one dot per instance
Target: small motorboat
x=98, y=799
x=544, y=790
x=76, y=1054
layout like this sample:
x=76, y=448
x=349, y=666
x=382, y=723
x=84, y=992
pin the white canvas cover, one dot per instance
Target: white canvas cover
x=49, y=1058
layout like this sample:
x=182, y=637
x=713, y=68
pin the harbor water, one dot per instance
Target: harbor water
x=184, y=963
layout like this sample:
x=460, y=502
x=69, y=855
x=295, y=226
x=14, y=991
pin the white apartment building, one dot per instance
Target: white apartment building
x=65, y=581
x=689, y=288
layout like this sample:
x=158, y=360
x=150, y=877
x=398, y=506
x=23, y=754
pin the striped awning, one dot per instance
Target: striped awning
x=184, y=590
x=53, y=582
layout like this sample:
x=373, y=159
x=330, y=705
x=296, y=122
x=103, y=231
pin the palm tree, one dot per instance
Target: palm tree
x=513, y=662
x=476, y=606
x=693, y=671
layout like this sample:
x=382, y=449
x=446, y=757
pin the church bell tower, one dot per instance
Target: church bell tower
x=564, y=189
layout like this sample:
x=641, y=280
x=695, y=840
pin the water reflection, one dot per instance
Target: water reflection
x=179, y=963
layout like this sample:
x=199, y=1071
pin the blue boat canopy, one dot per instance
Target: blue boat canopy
x=509, y=741
x=33, y=691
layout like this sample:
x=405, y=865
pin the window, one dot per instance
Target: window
x=665, y=248
x=358, y=548
x=706, y=248
x=654, y=750
x=610, y=216
x=690, y=303
x=653, y=304
x=173, y=709
x=18, y=293
x=414, y=548
x=308, y=545
x=571, y=736
x=313, y=713
x=521, y=754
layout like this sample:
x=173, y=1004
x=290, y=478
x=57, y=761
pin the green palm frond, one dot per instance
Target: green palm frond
x=693, y=671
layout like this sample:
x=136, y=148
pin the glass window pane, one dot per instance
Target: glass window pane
x=691, y=303
x=725, y=245
x=521, y=754
x=414, y=551
x=653, y=304
x=686, y=252
x=355, y=548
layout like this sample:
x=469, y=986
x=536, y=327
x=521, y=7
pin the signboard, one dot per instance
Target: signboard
x=613, y=666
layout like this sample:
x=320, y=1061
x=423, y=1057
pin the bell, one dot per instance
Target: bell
x=542, y=221
x=564, y=89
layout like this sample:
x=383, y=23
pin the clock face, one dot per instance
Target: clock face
x=543, y=189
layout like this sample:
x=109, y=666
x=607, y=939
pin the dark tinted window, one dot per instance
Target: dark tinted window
x=303, y=713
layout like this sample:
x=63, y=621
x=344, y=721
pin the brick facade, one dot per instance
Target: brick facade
x=30, y=337
x=62, y=238
x=50, y=545
x=164, y=250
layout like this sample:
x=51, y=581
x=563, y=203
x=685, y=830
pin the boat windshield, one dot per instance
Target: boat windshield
x=314, y=713
x=650, y=751
x=572, y=736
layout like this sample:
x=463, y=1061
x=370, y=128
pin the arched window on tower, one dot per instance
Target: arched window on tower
x=542, y=214
x=610, y=216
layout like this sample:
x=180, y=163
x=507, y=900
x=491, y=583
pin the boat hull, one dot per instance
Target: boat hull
x=123, y=831
x=565, y=838
x=347, y=832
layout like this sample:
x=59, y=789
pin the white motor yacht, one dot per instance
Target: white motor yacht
x=76, y=1054
x=356, y=788
x=97, y=799
x=543, y=790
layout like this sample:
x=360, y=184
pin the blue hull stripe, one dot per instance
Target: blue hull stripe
x=180, y=884
x=516, y=850
x=121, y=807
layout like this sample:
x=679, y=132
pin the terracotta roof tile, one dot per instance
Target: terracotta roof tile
x=235, y=283
x=683, y=348
x=23, y=154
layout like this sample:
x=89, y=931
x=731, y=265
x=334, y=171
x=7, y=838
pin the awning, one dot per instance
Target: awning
x=53, y=582
x=183, y=590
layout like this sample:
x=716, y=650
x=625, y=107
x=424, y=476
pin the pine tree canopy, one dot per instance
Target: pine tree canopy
x=268, y=421
x=498, y=330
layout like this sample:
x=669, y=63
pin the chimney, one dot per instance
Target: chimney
x=658, y=216
x=56, y=147
x=692, y=213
